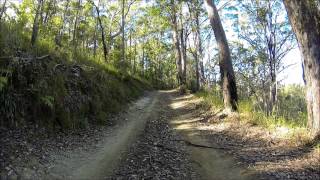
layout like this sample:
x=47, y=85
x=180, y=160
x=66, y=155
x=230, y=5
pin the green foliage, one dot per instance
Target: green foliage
x=56, y=97
x=292, y=105
x=3, y=82
x=48, y=101
x=211, y=99
x=292, y=111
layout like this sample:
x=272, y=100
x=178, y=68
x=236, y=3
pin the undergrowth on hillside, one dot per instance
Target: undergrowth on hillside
x=289, y=119
x=51, y=87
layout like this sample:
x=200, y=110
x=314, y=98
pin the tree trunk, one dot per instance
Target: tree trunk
x=3, y=9
x=184, y=54
x=35, y=28
x=103, y=37
x=129, y=50
x=95, y=39
x=134, y=57
x=59, y=35
x=123, y=51
x=194, y=9
x=199, y=49
x=305, y=20
x=229, y=87
x=75, y=27
x=202, y=76
x=176, y=42
x=142, y=61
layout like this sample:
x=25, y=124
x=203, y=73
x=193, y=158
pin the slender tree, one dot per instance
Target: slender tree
x=305, y=20
x=35, y=28
x=61, y=29
x=271, y=38
x=75, y=25
x=194, y=9
x=123, y=50
x=183, y=49
x=176, y=42
x=3, y=9
x=103, y=37
x=228, y=81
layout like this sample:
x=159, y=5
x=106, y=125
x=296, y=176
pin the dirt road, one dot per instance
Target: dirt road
x=148, y=144
x=162, y=136
x=170, y=148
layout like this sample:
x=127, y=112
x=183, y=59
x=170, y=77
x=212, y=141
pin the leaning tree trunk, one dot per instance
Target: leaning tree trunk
x=305, y=20
x=103, y=37
x=229, y=87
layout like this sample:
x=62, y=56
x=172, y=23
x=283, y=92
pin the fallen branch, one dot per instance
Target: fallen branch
x=32, y=58
x=42, y=57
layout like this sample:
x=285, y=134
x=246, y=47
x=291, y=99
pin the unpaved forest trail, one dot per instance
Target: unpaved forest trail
x=172, y=148
x=166, y=136
x=150, y=144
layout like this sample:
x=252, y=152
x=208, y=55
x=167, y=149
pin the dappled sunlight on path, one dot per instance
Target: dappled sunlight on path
x=234, y=149
x=211, y=163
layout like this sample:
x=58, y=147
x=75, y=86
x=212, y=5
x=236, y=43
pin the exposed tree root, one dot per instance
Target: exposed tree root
x=200, y=145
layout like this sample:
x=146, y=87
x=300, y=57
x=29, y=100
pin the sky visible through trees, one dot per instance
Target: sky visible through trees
x=291, y=75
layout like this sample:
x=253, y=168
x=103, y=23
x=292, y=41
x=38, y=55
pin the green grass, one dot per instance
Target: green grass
x=246, y=108
x=248, y=113
x=210, y=99
x=293, y=129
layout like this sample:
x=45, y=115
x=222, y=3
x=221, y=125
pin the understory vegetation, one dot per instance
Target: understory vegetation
x=290, y=110
x=52, y=87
